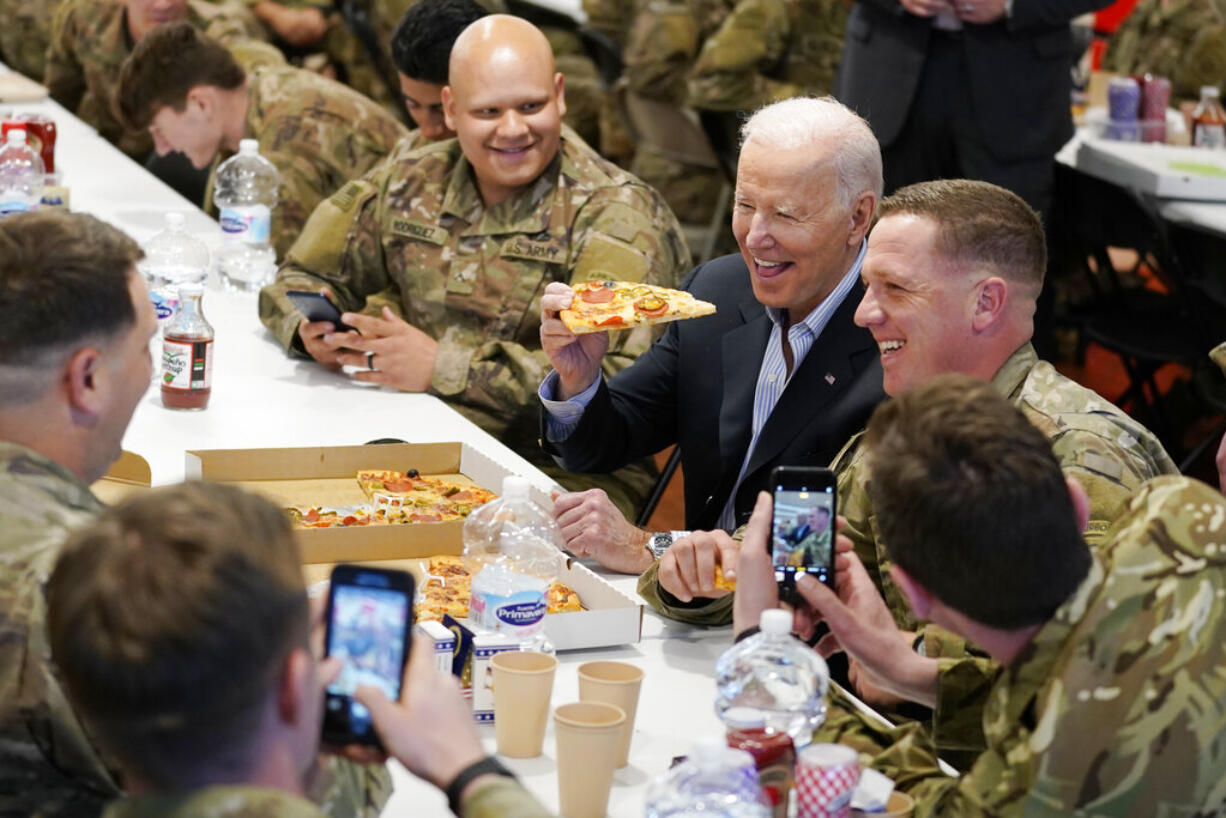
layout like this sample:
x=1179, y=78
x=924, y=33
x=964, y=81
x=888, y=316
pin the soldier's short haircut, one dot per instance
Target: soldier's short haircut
x=827, y=125
x=170, y=619
x=64, y=281
x=421, y=44
x=971, y=502
x=979, y=224
x=166, y=64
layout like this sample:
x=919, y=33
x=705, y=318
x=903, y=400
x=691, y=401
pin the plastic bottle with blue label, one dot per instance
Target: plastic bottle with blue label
x=515, y=549
x=22, y=175
x=173, y=257
x=245, y=194
x=714, y=780
x=777, y=676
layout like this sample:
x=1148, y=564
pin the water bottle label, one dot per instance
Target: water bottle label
x=164, y=306
x=521, y=613
x=250, y=223
x=14, y=206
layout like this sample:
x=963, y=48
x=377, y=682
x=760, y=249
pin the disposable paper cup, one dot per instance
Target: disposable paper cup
x=588, y=735
x=826, y=776
x=900, y=805
x=616, y=683
x=523, y=683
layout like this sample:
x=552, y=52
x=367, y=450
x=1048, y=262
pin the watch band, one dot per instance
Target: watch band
x=662, y=540
x=486, y=766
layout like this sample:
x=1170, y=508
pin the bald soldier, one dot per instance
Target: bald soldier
x=465, y=234
x=192, y=96
x=90, y=39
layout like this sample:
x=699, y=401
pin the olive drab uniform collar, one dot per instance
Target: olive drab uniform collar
x=39, y=475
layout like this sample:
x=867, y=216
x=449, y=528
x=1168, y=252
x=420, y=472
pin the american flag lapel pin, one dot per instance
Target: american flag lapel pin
x=830, y=378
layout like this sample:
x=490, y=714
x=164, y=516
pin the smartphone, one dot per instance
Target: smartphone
x=315, y=307
x=802, y=531
x=369, y=622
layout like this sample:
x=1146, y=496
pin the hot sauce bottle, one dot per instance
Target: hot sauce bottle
x=773, y=753
x=187, y=353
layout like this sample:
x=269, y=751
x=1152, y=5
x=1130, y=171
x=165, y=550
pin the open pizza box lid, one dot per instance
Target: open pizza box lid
x=128, y=474
x=324, y=475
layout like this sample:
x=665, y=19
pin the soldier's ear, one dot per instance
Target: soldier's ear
x=448, y=99
x=559, y=88
x=84, y=387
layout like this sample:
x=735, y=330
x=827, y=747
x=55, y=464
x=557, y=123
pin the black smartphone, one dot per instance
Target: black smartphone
x=802, y=531
x=315, y=307
x=370, y=621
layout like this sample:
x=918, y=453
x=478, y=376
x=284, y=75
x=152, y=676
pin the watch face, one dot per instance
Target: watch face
x=660, y=543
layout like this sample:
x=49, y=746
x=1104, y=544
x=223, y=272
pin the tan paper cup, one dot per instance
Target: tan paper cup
x=523, y=683
x=900, y=805
x=589, y=735
x=616, y=683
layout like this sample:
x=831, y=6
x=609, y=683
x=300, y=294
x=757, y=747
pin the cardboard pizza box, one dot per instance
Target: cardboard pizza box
x=130, y=473
x=324, y=475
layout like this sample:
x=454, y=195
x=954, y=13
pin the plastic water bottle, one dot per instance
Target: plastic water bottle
x=245, y=194
x=775, y=674
x=173, y=257
x=713, y=781
x=22, y=175
x=515, y=547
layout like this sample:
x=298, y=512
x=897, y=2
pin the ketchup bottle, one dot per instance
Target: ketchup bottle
x=187, y=353
x=1209, y=120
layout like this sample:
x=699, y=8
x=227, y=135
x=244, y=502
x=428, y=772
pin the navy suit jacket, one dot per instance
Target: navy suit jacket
x=695, y=387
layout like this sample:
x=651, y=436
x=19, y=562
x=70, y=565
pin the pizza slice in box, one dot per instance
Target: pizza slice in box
x=604, y=305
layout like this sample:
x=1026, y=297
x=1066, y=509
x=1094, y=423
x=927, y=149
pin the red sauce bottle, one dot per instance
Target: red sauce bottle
x=187, y=353
x=773, y=753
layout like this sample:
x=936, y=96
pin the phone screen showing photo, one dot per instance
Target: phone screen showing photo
x=802, y=532
x=367, y=633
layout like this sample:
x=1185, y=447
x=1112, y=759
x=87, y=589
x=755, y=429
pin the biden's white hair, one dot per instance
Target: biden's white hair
x=826, y=128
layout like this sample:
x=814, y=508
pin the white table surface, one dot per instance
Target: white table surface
x=262, y=398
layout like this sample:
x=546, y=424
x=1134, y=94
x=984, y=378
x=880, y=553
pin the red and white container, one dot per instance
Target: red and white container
x=826, y=777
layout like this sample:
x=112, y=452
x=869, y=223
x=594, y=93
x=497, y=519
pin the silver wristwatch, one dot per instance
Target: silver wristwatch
x=661, y=540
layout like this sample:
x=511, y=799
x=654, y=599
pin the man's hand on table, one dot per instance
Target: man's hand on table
x=593, y=527
x=687, y=569
x=575, y=357
x=386, y=350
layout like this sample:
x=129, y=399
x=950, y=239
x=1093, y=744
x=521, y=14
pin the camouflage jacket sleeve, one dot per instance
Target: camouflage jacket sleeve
x=340, y=248
x=624, y=232
x=730, y=73
x=660, y=48
x=700, y=612
x=346, y=789
x=502, y=798
x=64, y=76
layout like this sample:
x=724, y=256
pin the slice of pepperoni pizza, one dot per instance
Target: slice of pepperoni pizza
x=603, y=305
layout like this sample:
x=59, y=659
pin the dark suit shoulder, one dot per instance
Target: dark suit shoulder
x=723, y=280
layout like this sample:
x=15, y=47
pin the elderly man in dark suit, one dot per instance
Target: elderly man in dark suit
x=975, y=89
x=779, y=375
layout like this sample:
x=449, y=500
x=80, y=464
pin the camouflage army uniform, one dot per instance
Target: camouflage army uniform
x=500, y=798
x=1117, y=706
x=472, y=279
x=1184, y=40
x=660, y=50
x=90, y=41
x=48, y=765
x=769, y=50
x=25, y=35
x=318, y=133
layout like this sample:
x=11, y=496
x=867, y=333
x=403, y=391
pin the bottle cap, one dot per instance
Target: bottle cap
x=175, y=221
x=775, y=621
x=191, y=288
x=249, y=146
x=1208, y=90
x=515, y=487
x=743, y=718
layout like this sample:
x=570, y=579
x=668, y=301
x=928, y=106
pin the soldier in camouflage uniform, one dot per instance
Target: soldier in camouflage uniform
x=1184, y=40
x=915, y=310
x=193, y=97
x=469, y=232
x=1108, y=702
x=231, y=726
x=52, y=266
x=25, y=35
x=91, y=39
x=768, y=50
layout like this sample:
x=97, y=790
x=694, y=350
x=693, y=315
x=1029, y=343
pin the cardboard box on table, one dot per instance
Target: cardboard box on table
x=129, y=474
x=325, y=476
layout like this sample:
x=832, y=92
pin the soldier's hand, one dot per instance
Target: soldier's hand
x=756, y=588
x=927, y=8
x=389, y=351
x=593, y=527
x=862, y=626
x=687, y=569
x=297, y=26
x=430, y=730
x=575, y=357
x=320, y=338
